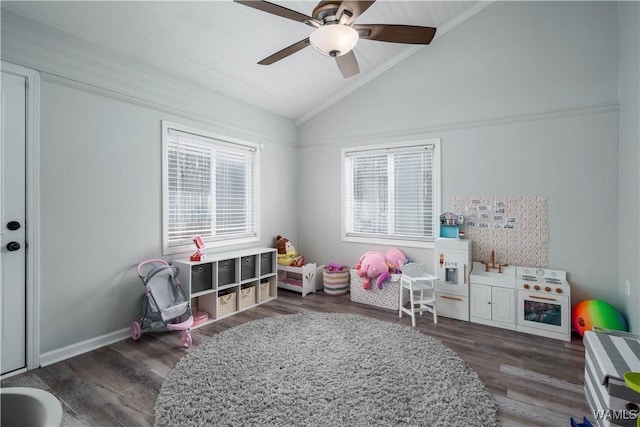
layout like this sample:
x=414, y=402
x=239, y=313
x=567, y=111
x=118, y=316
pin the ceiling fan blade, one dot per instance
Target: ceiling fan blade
x=411, y=34
x=356, y=8
x=348, y=64
x=275, y=9
x=290, y=50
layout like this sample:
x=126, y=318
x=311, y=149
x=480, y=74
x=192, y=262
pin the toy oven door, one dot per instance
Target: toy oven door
x=547, y=312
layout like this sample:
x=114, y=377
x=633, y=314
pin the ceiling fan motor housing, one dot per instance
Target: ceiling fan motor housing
x=336, y=33
x=326, y=11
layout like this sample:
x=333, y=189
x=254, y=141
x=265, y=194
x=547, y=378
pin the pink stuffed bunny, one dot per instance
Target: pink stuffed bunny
x=373, y=265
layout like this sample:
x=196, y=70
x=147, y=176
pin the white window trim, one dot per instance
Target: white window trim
x=437, y=191
x=169, y=250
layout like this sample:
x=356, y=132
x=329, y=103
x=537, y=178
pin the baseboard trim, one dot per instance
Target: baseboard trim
x=55, y=356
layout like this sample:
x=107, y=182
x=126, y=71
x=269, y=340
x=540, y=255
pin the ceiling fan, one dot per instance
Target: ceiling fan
x=336, y=33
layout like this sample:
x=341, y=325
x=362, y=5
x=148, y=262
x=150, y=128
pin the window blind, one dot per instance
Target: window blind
x=211, y=189
x=389, y=193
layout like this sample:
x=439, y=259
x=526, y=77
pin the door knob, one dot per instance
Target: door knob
x=13, y=246
x=13, y=225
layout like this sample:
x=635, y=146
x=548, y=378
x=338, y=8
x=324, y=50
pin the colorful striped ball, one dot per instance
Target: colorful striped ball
x=589, y=313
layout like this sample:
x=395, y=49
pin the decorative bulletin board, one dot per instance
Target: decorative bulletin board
x=515, y=227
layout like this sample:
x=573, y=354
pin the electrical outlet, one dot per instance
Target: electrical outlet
x=627, y=287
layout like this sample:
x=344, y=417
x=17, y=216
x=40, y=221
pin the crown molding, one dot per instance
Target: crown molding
x=439, y=128
x=78, y=64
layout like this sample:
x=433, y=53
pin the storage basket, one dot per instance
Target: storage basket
x=248, y=267
x=336, y=282
x=264, y=291
x=226, y=272
x=247, y=297
x=266, y=263
x=227, y=304
x=387, y=297
x=201, y=277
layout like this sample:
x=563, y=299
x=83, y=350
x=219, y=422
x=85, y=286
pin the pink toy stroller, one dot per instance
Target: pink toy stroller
x=164, y=306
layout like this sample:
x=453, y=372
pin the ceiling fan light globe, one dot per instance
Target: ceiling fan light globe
x=334, y=39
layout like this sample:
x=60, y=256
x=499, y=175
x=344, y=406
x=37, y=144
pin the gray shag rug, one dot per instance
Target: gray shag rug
x=323, y=369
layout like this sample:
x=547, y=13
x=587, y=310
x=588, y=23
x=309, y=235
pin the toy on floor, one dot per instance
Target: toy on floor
x=287, y=254
x=585, y=423
x=592, y=313
x=164, y=306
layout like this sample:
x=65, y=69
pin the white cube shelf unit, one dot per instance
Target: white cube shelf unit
x=223, y=284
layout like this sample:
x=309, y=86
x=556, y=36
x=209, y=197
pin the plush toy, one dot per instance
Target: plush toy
x=379, y=266
x=287, y=254
x=373, y=265
x=396, y=259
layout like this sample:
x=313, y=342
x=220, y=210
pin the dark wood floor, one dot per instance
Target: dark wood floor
x=536, y=381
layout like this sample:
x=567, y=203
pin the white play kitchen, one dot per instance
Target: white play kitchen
x=508, y=285
x=526, y=299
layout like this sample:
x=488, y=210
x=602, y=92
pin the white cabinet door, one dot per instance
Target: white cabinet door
x=503, y=303
x=480, y=301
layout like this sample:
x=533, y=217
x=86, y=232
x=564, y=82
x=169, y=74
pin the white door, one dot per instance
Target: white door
x=12, y=217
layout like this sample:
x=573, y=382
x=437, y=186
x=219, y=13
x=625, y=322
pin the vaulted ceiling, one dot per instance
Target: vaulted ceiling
x=217, y=44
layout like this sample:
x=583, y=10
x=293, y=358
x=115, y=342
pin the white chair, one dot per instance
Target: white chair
x=421, y=287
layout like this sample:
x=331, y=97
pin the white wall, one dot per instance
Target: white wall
x=524, y=83
x=101, y=206
x=629, y=158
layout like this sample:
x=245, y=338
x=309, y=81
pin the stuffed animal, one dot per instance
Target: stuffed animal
x=287, y=254
x=379, y=266
x=396, y=259
x=373, y=265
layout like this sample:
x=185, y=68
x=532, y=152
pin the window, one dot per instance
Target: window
x=391, y=193
x=210, y=189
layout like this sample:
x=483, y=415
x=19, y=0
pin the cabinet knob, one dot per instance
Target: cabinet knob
x=536, y=287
